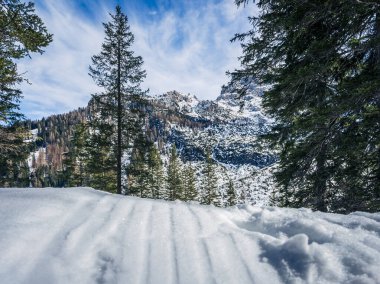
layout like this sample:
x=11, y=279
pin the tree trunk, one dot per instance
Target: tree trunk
x=320, y=181
x=119, y=121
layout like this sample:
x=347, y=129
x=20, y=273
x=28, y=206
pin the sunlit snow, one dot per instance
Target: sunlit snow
x=86, y=236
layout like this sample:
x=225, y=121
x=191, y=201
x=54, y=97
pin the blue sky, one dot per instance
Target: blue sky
x=185, y=46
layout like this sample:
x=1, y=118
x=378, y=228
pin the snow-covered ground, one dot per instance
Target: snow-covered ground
x=87, y=236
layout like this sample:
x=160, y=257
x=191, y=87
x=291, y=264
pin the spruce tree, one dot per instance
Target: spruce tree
x=119, y=72
x=22, y=33
x=75, y=162
x=100, y=161
x=174, y=180
x=138, y=170
x=157, y=185
x=242, y=196
x=231, y=195
x=209, y=182
x=321, y=61
x=190, y=192
x=14, y=169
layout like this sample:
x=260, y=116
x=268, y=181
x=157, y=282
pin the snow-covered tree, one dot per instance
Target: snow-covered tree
x=209, y=187
x=231, y=195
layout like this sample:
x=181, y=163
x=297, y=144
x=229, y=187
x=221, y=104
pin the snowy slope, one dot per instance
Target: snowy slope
x=87, y=236
x=230, y=128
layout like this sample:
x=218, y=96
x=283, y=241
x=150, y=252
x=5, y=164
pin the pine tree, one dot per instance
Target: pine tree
x=231, y=195
x=14, y=170
x=242, y=196
x=75, y=161
x=100, y=161
x=190, y=192
x=174, y=181
x=139, y=169
x=22, y=32
x=157, y=185
x=209, y=182
x=118, y=71
x=321, y=60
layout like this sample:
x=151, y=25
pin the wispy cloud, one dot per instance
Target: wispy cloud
x=188, y=51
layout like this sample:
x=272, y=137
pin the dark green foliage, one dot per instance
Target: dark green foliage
x=209, y=182
x=174, y=179
x=189, y=183
x=118, y=71
x=146, y=175
x=138, y=170
x=101, y=160
x=75, y=161
x=321, y=60
x=231, y=195
x=156, y=181
x=22, y=32
x=14, y=170
x=242, y=196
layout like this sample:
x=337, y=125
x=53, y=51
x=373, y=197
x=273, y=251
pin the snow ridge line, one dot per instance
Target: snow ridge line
x=80, y=234
x=128, y=217
x=241, y=259
x=234, y=248
x=174, y=247
x=106, y=257
x=52, y=235
x=203, y=243
x=148, y=253
x=83, y=221
x=134, y=243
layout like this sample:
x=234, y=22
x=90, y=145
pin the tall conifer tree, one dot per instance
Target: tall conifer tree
x=174, y=180
x=119, y=72
x=22, y=33
x=156, y=174
x=139, y=172
x=209, y=182
x=231, y=195
x=321, y=61
x=75, y=161
x=189, y=183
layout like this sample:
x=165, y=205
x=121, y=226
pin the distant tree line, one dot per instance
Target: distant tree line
x=145, y=174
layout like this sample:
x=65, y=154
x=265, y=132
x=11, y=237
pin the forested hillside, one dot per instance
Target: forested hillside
x=296, y=126
x=226, y=128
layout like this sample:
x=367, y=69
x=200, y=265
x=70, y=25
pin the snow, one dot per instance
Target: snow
x=34, y=156
x=33, y=134
x=80, y=235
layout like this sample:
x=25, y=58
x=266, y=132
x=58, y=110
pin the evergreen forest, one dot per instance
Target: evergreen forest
x=319, y=62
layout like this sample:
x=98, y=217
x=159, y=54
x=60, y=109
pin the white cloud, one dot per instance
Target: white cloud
x=189, y=53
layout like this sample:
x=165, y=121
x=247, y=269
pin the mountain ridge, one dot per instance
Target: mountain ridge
x=228, y=126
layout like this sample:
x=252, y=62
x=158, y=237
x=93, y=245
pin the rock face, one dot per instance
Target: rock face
x=229, y=127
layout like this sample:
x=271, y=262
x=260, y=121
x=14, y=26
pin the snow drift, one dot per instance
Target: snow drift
x=86, y=236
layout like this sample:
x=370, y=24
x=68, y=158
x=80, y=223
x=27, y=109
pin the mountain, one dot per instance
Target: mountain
x=229, y=126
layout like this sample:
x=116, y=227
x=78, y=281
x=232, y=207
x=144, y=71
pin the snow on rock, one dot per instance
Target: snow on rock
x=86, y=236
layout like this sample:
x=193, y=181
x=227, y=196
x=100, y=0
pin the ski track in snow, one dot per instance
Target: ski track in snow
x=87, y=236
